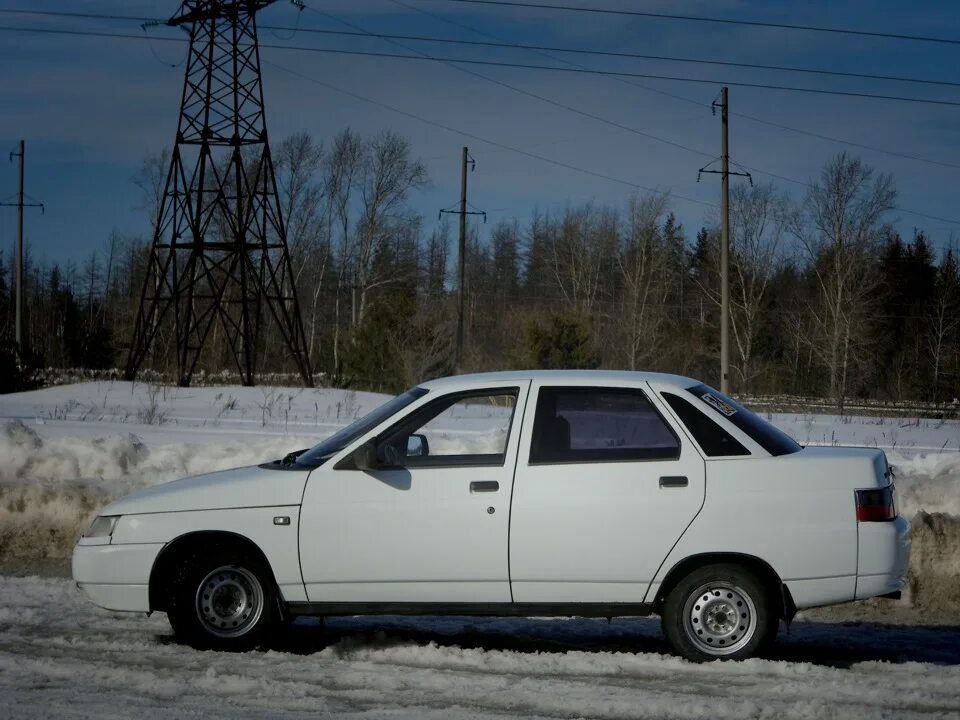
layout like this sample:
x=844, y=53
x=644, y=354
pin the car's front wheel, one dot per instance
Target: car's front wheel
x=719, y=612
x=222, y=599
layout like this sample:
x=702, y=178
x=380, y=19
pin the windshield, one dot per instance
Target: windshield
x=774, y=441
x=340, y=439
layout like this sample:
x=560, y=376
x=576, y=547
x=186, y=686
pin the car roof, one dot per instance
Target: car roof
x=557, y=376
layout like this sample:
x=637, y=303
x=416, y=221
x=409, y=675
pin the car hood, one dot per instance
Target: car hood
x=244, y=487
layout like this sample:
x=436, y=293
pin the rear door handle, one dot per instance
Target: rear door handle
x=671, y=481
x=484, y=486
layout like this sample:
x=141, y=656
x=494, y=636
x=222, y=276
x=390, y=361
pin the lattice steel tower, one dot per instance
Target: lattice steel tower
x=220, y=245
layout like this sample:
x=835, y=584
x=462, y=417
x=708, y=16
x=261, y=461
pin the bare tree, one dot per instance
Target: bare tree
x=759, y=218
x=943, y=318
x=91, y=281
x=839, y=228
x=643, y=261
x=299, y=161
x=342, y=166
x=389, y=174
x=582, y=245
x=422, y=345
x=435, y=263
x=151, y=178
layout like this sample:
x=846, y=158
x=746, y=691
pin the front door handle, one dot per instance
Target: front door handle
x=484, y=486
x=671, y=481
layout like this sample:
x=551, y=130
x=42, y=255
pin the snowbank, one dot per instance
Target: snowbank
x=51, y=488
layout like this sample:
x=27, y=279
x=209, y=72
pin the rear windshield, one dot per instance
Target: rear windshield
x=774, y=441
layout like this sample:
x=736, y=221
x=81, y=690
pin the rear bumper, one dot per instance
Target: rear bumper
x=116, y=577
x=883, y=557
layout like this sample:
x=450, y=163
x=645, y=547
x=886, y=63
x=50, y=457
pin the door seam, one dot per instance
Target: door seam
x=513, y=485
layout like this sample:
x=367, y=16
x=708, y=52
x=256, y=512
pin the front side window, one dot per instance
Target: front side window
x=316, y=455
x=597, y=424
x=470, y=428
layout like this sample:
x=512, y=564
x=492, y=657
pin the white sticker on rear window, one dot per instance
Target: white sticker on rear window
x=724, y=407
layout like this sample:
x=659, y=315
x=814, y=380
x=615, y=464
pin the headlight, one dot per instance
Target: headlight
x=103, y=526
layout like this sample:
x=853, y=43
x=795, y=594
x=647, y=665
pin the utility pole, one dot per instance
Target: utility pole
x=462, y=254
x=724, y=245
x=18, y=270
x=725, y=174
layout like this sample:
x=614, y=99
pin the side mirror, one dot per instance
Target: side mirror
x=365, y=456
x=417, y=446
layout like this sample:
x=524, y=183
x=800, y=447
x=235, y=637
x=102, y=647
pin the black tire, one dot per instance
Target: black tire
x=221, y=598
x=720, y=612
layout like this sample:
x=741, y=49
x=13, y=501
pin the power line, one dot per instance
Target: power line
x=89, y=16
x=648, y=76
x=851, y=143
x=555, y=103
x=706, y=19
x=540, y=51
x=492, y=143
x=452, y=63
x=486, y=141
x=685, y=99
x=620, y=55
x=530, y=66
x=551, y=161
x=502, y=146
x=670, y=78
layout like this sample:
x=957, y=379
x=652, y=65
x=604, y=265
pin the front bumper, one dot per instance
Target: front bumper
x=115, y=577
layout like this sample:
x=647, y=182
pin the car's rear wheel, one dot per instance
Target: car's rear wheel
x=719, y=612
x=222, y=599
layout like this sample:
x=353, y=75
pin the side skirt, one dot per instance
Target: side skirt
x=607, y=610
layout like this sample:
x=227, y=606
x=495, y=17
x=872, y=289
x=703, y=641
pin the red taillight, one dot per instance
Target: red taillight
x=876, y=505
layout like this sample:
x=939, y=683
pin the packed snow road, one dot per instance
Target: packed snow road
x=61, y=657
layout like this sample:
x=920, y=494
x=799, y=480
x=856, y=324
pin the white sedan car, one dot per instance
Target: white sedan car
x=566, y=493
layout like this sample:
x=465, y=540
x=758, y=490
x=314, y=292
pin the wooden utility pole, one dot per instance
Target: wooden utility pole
x=18, y=270
x=462, y=255
x=461, y=262
x=724, y=173
x=724, y=246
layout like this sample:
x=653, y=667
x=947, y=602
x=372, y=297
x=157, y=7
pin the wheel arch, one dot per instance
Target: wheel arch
x=175, y=550
x=761, y=568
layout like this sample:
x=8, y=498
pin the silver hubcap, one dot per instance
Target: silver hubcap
x=229, y=601
x=720, y=618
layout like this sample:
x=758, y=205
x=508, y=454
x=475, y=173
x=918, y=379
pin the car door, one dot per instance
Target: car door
x=604, y=489
x=431, y=524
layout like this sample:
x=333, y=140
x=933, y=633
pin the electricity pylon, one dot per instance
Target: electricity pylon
x=219, y=246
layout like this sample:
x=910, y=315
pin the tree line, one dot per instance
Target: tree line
x=827, y=299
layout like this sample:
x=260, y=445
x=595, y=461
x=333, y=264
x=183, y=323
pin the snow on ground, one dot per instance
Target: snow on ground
x=61, y=657
x=68, y=450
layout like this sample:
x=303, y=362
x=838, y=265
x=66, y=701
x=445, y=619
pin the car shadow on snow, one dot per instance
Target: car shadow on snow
x=839, y=645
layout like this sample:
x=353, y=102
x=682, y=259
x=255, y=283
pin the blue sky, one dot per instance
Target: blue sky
x=91, y=109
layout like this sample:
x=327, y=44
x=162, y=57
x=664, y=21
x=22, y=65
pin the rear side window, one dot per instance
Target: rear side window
x=774, y=441
x=715, y=441
x=591, y=424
